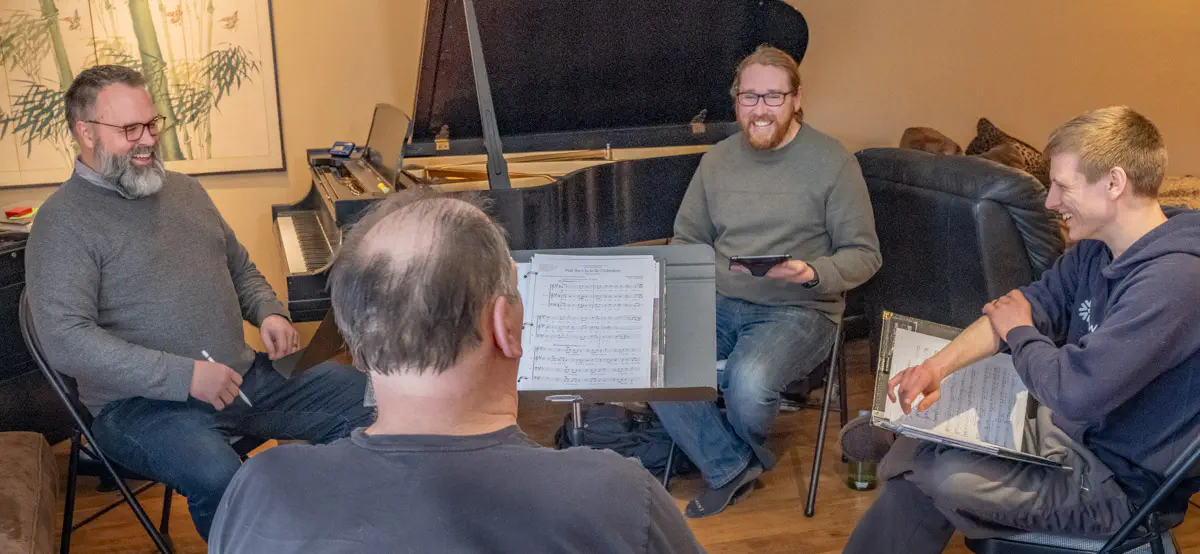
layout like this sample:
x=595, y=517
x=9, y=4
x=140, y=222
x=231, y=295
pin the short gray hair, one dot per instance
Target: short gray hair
x=412, y=278
x=81, y=95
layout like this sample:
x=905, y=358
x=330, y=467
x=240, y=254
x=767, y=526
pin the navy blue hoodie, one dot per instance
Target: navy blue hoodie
x=1115, y=354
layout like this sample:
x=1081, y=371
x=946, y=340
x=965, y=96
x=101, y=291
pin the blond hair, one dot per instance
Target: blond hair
x=1114, y=137
x=770, y=57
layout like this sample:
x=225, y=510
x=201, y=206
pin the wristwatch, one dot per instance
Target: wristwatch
x=816, y=280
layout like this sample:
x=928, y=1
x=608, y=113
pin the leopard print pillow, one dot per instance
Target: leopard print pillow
x=989, y=137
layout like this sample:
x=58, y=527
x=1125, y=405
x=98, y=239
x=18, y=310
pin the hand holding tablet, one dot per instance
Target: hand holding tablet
x=758, y=265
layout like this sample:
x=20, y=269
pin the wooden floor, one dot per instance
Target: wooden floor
x=771, y=520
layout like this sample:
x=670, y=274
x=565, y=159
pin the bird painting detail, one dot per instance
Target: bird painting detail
x=73, y=21
x=231, y=21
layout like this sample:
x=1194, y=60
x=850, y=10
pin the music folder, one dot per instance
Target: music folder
x=982, y=407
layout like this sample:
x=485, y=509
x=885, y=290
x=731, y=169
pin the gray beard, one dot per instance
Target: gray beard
x=131, y=181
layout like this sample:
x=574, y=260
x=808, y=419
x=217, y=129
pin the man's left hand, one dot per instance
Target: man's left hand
x=792, y=271
x=1008, y=311
x=279, y=336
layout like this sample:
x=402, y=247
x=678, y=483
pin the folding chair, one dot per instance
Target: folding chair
x=87, y=459
x=1148, y=531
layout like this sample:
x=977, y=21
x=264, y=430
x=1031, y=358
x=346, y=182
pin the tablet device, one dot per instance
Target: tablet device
x=759, y=265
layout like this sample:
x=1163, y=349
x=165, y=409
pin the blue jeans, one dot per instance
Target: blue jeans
x=765, y=348
x=185, y=445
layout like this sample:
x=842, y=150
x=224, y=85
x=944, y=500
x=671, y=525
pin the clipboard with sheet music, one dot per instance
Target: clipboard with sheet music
x=982, y=407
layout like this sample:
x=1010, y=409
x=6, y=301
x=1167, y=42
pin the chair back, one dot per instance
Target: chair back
x=64, y=386
x=955, y=232
x=1167, y=507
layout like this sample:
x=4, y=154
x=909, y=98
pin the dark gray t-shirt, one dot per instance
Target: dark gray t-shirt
x=498, y=492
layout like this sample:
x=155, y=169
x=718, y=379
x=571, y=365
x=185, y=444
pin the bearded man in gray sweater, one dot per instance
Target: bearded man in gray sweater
x=777, y=187
x=135, y=280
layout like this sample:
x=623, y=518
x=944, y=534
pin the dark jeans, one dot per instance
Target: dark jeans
x=185, y=445
x=765, y=348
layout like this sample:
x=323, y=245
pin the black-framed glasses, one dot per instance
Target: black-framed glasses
x=772, y=98
x=134, y=131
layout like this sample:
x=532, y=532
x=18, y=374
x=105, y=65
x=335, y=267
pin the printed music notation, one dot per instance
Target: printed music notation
x=588, y=321
x=984, y=402
x=561, y=324
x=596, y=304
x=581, y=336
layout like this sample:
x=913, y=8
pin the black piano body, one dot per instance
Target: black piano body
x=603, y=108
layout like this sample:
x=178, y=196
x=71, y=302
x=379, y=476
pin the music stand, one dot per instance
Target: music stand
x=690, y=370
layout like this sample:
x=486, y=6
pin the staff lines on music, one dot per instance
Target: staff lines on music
x=595, y=296
x=566, y=324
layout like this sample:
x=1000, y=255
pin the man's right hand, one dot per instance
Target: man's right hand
x=912, y=382
x=215, y=383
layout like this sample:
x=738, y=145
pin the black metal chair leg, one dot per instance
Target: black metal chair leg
x=670, y=462
x=843, y=404
x=69, y=507
x=138, y=511
x=1156, y=545
x=164, y=527
x=810, y=503
x=132, y=501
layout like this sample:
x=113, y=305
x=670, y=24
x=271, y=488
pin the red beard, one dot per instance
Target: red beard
x=758, y=140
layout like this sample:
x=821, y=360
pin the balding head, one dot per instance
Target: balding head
x=413, y=279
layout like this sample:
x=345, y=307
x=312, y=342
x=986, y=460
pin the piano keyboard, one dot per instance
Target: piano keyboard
x=304, y=244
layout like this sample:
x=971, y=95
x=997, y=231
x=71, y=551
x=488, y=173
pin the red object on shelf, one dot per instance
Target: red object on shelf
x=17, y=212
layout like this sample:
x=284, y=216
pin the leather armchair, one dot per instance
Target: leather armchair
x=955, y=232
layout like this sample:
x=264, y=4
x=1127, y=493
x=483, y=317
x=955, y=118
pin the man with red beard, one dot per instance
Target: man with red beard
x=777, y=187
x=135, y=280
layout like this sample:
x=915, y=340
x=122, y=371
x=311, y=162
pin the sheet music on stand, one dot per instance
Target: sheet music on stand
x=592, y=322
x=982, y=407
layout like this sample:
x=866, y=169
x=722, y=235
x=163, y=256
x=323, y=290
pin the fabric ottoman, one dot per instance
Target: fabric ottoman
x=28, y=493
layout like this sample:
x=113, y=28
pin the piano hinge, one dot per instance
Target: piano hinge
x=698, y=122
x=442, y=140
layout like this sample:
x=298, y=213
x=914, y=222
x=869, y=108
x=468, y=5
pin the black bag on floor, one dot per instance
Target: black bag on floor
x=631, y=434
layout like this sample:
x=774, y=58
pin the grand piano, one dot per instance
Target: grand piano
x=582, y=122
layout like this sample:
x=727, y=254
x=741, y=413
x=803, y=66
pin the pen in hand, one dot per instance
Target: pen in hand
x=240, y=393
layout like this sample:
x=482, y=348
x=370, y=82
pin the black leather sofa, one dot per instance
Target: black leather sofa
x=955, y=232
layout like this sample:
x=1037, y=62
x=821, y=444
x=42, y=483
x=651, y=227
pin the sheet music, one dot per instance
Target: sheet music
x=588, y=321
x=984, y=402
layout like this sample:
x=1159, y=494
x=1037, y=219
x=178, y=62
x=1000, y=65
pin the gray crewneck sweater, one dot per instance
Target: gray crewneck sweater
x=126, y=293
x=807, y=199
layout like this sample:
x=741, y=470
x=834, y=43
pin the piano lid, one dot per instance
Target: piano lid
x=583, y=75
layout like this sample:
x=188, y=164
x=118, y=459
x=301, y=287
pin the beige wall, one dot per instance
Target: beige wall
x=875, y=67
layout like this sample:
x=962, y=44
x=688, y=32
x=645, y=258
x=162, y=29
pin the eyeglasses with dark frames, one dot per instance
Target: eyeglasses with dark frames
x=773, y=98
x=134, y=131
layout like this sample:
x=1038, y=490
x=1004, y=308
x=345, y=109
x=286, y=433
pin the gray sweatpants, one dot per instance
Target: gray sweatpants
x=930, y=490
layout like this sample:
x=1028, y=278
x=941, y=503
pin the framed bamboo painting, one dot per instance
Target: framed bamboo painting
x=209, y=64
